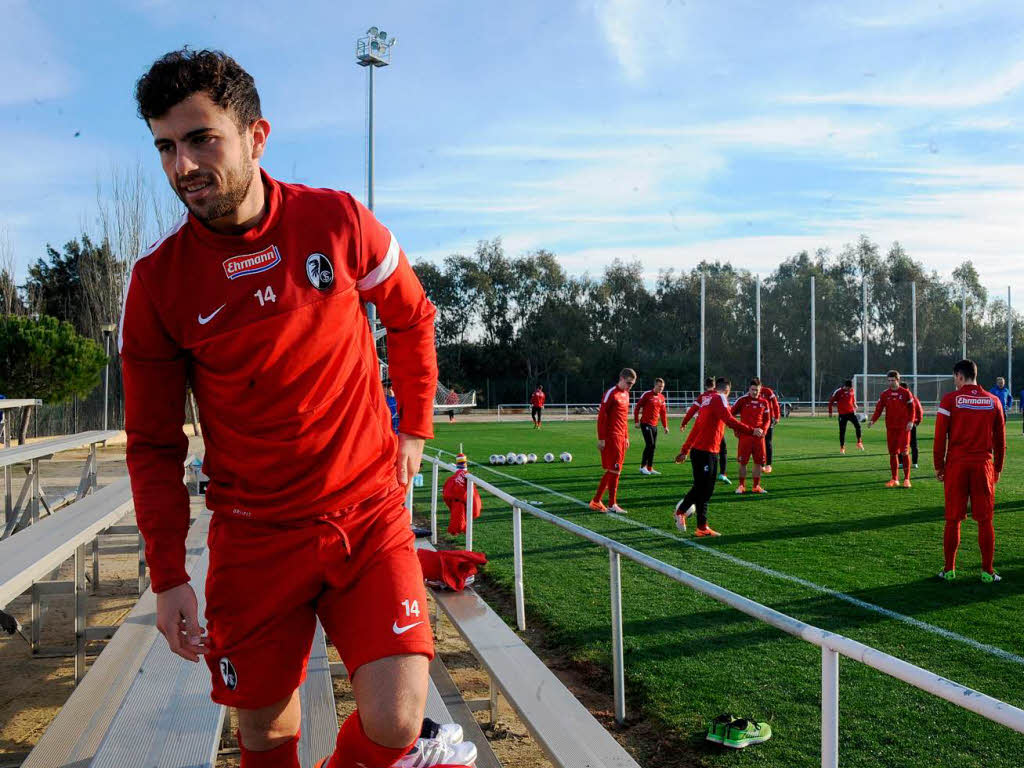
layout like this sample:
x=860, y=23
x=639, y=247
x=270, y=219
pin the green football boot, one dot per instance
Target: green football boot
x=742, y=733
x=990, y=578
x=948, y=575
x=717, y=728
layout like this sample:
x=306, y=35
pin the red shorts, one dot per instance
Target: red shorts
x=267, y=584
x=612, y=456
x=897, y=439
x=974, y=482
x=750, y=446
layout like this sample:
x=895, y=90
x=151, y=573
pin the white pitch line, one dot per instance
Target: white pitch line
x=910, y=620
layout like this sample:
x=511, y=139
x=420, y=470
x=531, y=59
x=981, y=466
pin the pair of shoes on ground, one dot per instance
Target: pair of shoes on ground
x=649, y=471
x=986, y=577
x=614, y=509
x=737, y=732
x=894, y=483
x=439, y=746
x=756, y=489
x=683, y=515
x=860, y=445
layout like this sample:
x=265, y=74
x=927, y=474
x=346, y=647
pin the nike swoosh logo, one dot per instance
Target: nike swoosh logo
x=209, y=317
x=402, y=630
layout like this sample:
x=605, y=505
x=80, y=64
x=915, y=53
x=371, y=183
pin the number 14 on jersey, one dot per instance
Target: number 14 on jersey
x=267, y=294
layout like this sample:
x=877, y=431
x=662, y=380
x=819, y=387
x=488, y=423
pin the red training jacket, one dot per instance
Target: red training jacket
x=613, y=416
x=971, y=422
x=845, y=401
x=650, y=409
x=753, y=411
x=898, y=405
x=710, y=425
x=703, y=399
x=454, y=491
x=537, y=399
x=773, y=402
x=269, y=330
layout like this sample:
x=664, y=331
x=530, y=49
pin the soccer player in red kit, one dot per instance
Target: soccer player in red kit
x=254, y=299
x=537, y=400
x=754, y=411
x=649, y=410
x=613, y=440
x=969, y=448
x=769, y=436
x=702, y=448
x=918, y=418
x=693, y=411
x=898, y=405
x=845, y=401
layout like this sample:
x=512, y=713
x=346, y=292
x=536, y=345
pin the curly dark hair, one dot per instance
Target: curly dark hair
x=177, y=75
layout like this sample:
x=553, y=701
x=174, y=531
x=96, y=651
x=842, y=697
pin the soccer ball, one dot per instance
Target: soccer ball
x=510, y=458
x=862, y=417
x=499, y=459
x=492, y=459
x=521, y=458
x=566, y=457
x=531, y=458
x=549, y=457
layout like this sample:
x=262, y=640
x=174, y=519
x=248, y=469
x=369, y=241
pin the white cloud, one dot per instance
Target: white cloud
x=641, y=33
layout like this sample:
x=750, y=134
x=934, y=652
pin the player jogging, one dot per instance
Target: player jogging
x=898, y=405
x=918, y=418
x=969, y=448
x=769, y=437
x=754, y=411
x=613, y=440
x=693, y=411
x=845, y=401
x=254, y=299
x=702, y=448
x=537, y=400
x=649, y=410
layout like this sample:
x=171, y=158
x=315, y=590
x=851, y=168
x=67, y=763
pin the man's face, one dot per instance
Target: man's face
x=209, y=162
x=658, y=387
x=626, y=384
x=1000, y=382
x=754, y=390
x=894, y=383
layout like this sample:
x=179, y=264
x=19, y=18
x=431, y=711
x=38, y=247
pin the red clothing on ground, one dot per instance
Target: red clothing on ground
x=768, y=394
x=613, y=416
x=845, y=401
x=454, y=495
x=650, y=409
x=709, y=428
x=969, y=428
x=537, y=399
x=269, y=329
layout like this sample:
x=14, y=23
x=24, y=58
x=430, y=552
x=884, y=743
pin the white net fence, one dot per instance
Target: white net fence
x=929, y=387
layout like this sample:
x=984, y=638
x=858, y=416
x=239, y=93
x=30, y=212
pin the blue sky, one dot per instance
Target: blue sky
x=666, y=131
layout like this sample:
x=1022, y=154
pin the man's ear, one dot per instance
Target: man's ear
x=260, y=132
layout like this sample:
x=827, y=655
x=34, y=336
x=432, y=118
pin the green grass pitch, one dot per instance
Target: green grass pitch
x=849, y=556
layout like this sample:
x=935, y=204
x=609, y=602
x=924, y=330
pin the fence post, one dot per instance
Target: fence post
x=829, y=708
x=469, y=513
x=433, y=503
x=517, y=566
x=618, y=675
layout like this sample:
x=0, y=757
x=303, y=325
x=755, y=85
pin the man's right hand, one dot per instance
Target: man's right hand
x=758, y=432
x=600, y=445
x=177, y=618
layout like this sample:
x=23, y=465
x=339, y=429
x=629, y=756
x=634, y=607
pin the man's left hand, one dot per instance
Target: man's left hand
x=410, y=453
x=910, y=427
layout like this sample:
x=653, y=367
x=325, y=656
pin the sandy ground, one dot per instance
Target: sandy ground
x=34, y=689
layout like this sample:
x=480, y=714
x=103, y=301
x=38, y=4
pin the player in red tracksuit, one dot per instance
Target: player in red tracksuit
x=969, y=448
x=254, y=298
x=898, y=405
x=693, y=411
x=454, y=495
x=845, y=401
x=918, y=418
x=702, y=448
x=613, y=440
x=754, y=411
x=649, y=410
x=769, y=436
x=537, y=400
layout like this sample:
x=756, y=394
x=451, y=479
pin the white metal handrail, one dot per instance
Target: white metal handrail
x=831, y=644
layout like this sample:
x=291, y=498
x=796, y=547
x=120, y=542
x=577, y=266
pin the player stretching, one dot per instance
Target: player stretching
x=537, y=400
x=613, y=440
x=918, y=418
x=845, y=401
x=898, y=405
x=254, y=298
x=649, y=410
x=970, y=444
x=753, y=411
x=769, y=437
x=694, y=410
x=702, y=448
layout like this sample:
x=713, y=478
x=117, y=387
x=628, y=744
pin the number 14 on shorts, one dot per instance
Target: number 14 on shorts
x=411, y=608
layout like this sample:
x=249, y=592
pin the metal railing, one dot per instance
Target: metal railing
x=831, y=644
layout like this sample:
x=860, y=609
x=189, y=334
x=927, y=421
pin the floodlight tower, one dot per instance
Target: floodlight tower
x=372, y=50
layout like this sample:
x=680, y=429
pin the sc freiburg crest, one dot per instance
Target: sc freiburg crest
x=320, y=271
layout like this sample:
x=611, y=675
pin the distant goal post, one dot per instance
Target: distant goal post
x=929, y=387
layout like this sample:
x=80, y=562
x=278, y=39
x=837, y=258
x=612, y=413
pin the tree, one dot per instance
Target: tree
x=45, y=358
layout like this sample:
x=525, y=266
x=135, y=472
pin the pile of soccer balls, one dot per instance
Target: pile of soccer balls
x=526, y=458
